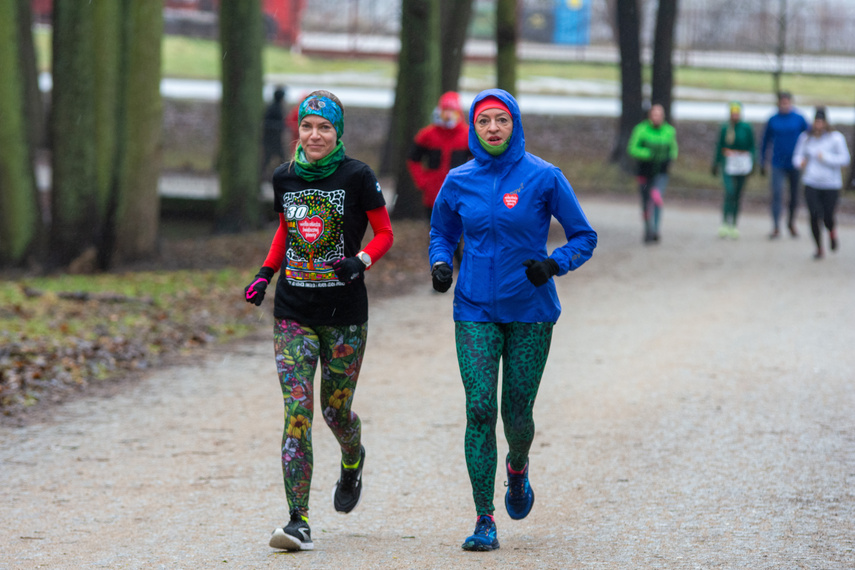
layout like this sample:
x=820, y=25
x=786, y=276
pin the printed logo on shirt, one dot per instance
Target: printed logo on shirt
x=315, y=221
x=511, y=198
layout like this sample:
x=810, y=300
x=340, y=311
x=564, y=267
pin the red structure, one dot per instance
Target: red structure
x=198, y=17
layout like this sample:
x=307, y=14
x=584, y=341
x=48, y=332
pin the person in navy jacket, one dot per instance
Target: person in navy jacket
x=781, y=133
x=505, y=301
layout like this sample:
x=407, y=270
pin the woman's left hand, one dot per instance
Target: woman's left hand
x=539, y=272
x=348, y=269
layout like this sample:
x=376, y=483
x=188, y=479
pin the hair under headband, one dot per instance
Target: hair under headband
x=323, y=107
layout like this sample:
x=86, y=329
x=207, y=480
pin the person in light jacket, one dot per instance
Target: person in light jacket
x=505, y=301
x=821, y=154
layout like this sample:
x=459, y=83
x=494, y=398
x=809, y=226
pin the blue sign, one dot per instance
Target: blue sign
x=573, y=22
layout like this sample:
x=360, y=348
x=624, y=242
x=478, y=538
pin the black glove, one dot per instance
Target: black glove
x=442, y=276
x=539, y=272
x=348, y=269
x=254, y=292
x=714, y=169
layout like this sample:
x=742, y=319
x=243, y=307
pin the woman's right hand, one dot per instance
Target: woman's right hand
x=442, y=276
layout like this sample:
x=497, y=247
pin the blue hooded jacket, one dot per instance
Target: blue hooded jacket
x=503, y=206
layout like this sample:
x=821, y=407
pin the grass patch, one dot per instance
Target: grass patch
x=200, y=59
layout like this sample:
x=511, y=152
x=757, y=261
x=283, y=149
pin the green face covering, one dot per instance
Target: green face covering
x=494, y=150
x=321, y=168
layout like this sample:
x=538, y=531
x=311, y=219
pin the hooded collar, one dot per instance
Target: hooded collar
x=516, y=144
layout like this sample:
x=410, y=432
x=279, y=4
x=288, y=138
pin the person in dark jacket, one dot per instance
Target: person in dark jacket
x=273, y=127
x=325, y=201
x=734, y=158
x=505, y=300
x=780, y=135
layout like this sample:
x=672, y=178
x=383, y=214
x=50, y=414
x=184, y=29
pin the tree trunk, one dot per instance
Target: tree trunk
x=506, y=45
x=241, y=43
x=19, y=216
x=34, y=107
x=630, y=77
x=663, y=50
x=134, y=193
x=74, y=205
x=108, y=34
x=455, y=23
x=416, y=94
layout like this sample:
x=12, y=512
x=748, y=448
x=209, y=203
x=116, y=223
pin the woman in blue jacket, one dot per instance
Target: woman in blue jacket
x=505, y=302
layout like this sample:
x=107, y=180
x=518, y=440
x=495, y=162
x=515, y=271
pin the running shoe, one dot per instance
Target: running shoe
x=484, y=538
x=734, y=233
x=348, y=489
x=724, y=231
x=296, y=535
x=519, y=498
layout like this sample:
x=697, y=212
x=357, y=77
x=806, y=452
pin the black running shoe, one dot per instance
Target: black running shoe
x=348, y=489
x=296, y=535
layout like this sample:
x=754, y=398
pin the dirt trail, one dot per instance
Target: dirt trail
x=696, y=412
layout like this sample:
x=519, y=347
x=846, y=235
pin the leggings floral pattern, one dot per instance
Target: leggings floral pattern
x=523, y=349
x=298, y=349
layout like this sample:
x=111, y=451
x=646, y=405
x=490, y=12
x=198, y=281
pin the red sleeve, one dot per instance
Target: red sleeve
x=383, y=238
x=279, y=245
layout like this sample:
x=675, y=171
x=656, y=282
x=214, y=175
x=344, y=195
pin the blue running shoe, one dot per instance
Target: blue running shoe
x=519, y=499
x=484, y=538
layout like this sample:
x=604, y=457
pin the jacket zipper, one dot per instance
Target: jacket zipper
x=494, y=266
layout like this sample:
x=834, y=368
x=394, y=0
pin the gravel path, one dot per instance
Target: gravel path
x=696, y=412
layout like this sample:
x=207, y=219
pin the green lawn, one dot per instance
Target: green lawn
x=200, y=59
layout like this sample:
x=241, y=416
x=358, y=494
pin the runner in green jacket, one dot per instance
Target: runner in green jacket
x=653, y=145
x=735, y=156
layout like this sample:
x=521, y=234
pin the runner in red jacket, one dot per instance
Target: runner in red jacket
x=438, y=148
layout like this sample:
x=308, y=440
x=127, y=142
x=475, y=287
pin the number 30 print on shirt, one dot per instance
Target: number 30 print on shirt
x=315, y=236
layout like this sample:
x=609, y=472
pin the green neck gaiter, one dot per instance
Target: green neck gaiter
x=321, y=168
x=494, y=150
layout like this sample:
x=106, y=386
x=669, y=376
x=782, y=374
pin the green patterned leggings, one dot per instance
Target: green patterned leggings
x=523, y=349
x=298, y=349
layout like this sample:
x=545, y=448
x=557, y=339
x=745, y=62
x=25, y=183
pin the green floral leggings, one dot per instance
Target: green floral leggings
x=523, y=349
x=298, y=348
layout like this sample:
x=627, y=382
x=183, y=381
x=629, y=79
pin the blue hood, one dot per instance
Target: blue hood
x=516, y=146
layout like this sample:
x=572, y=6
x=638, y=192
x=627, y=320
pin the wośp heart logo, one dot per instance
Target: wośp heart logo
x=311, y=228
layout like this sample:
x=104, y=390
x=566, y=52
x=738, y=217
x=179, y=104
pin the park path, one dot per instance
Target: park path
x=696, y=412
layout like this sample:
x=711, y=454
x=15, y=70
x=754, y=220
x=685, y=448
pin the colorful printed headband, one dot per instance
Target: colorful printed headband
x=323, y=107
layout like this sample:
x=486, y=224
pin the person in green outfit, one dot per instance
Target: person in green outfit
x=735, y=156
x=653, y=145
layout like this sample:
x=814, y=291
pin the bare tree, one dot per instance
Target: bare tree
x=780, y=46
x=19, y=219
x=137, y=202
x=506, y=45
x=455, y=16
x=241, y=42
x=416, y=93
x=630, y=74
x=75, y=224
x=663, y=50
